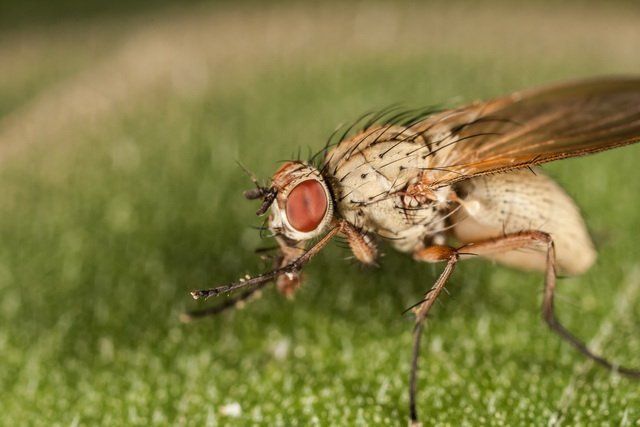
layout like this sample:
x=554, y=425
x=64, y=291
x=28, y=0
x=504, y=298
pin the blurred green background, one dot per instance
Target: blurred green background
x=119, y=130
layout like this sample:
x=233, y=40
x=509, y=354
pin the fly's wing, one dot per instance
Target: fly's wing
x=531, y=127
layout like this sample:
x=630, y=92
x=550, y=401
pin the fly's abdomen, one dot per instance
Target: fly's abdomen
x=519, y=201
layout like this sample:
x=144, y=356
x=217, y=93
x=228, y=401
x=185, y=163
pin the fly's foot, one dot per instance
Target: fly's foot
x=289, y=283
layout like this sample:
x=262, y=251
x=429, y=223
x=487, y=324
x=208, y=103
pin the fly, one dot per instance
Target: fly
x=447, y=185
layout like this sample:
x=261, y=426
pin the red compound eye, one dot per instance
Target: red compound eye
x=306, y=205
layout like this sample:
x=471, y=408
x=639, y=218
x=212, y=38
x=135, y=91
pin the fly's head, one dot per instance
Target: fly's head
x=300, y=201
x=303, y=207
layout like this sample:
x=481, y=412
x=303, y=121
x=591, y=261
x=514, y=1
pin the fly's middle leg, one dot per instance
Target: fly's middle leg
x=421, y=310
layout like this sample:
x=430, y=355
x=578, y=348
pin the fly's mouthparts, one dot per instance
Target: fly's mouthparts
x=267, y=194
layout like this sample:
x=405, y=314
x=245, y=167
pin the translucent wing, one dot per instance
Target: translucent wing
x=532, y=127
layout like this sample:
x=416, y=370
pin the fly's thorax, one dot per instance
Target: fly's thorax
x=303, y=207
x=380, y=185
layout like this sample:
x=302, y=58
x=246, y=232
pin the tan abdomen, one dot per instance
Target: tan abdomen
x=517, y=201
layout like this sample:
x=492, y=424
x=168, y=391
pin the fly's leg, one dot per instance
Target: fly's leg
x=528, y=238
x=548, y=314
x=431, y=254
x=360, y=243
x=292, y=268
x=288, y=283
x=233, y=302
x=287, y=269
x=505, y=243
x=217, y=309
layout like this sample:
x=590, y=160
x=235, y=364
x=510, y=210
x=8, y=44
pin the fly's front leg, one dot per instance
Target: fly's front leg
x=237, y=301
x=233, y=302
x=286, y=283
x=361, y=245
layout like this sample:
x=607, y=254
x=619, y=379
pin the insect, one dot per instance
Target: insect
x=448, y=185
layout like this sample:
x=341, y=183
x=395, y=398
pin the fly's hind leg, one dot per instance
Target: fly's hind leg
x=549, y=316
x=508, y=242
x=526, y=239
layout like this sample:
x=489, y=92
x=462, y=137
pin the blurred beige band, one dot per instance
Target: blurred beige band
x=183, y=54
